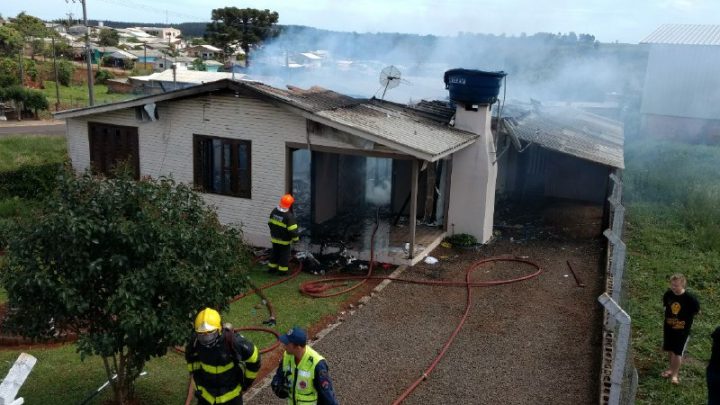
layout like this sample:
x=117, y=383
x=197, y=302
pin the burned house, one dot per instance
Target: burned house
x=553, y=163
x=556, y=161
x=360, y=169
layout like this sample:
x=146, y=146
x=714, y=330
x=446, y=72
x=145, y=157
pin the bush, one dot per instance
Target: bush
x=102, y=76
x=34, y=182
x=9, y=74
x=35, y=100
x=462, y=240
x=65, y=72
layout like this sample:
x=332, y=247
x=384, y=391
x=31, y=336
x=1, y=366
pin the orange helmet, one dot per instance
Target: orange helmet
x=286, y=201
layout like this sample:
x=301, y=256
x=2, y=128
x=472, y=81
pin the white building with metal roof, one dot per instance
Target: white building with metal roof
x=681, y=95
x=244, y=144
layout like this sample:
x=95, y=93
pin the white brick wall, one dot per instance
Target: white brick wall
x=166, y=148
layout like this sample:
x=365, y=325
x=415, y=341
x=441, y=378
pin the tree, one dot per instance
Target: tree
x=9, y=72
x=29, y=26
x=124, y=264
x=65, y=72
x=35, y=100
x=232, y=26
x=108, y=37
x=199, y=65
x=11, y=41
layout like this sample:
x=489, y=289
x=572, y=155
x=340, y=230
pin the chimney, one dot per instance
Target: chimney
x=472, y=182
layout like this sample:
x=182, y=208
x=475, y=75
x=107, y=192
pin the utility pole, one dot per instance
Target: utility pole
x=57, y=82
x=91, y=97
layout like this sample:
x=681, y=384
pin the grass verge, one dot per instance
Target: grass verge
x=77, y=96
x=166, y=382
x=672, y=227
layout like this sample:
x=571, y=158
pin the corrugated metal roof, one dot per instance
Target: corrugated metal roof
x=684, y=34
x=569, y=130
x=394, y=126
x=387, y=123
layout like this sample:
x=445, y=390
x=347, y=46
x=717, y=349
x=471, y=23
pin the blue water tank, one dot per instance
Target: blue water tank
x=473, y=86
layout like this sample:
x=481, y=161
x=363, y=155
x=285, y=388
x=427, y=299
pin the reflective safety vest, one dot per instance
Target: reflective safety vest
x=302, y=377
x=283, y=227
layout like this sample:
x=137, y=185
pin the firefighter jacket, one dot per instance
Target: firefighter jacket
x=308, y=382
x=222, y=371
x=283, y=227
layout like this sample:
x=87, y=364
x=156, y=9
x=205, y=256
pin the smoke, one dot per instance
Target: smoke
x=378, y=193
x=542, y=66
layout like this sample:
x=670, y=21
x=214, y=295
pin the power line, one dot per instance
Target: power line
x=135, y=6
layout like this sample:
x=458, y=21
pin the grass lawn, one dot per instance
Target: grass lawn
x=166, y=382
x=3, y=296
x=77, y=96
x=665, y=235
x=17, y=151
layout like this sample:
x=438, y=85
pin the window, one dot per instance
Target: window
x=222, y=165
x=112, y=144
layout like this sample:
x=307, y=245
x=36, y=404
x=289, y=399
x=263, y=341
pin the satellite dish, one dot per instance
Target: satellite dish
x=390, y=78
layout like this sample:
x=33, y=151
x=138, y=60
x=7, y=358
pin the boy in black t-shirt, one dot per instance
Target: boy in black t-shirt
x=680, y=309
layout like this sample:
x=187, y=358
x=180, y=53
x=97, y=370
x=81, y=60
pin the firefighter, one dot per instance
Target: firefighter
x=302, y=375
x=222, y=363
x=283, y=232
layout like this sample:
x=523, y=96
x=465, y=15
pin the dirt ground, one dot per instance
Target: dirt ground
x=532, y=342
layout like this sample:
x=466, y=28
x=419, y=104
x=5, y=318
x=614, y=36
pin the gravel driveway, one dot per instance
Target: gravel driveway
x=532, y=342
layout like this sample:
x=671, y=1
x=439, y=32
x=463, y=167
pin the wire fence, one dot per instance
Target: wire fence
x=619, y=377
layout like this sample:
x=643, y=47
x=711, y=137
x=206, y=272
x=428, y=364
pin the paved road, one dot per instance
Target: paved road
x=42, y=129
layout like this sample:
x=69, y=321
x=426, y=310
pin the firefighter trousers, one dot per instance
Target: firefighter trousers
x=280, y=258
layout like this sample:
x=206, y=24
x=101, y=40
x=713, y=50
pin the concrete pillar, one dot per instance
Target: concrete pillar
x=472, y=183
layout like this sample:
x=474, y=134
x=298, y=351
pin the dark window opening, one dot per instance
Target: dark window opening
x=222, y=165
x=111, y=145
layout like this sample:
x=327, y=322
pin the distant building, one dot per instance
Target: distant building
x=681, y=99
x=164, y=33
x=204, y=52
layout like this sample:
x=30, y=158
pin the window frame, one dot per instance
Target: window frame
x=202, y=174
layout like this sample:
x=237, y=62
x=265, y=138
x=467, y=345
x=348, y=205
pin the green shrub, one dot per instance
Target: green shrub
x=33, y=182
x=102, y=76
x=462, y=239
x=9, y=73
x=65, y=72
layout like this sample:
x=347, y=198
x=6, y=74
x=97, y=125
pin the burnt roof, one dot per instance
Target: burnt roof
x=395, y=126
x=568, y=130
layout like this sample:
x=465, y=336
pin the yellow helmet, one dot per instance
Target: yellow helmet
x=207, y=320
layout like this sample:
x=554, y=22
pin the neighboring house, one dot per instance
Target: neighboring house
x=309, y=60
x=164, y=33
x=680, y=99
x=244, y=144
x=166, y=62
x=120, y=59
x=99, y=52
x=148, y=56
x=204, y=52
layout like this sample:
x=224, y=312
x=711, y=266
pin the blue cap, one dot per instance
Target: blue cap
x=295, y=335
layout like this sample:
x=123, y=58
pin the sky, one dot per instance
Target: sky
x=627, y=21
